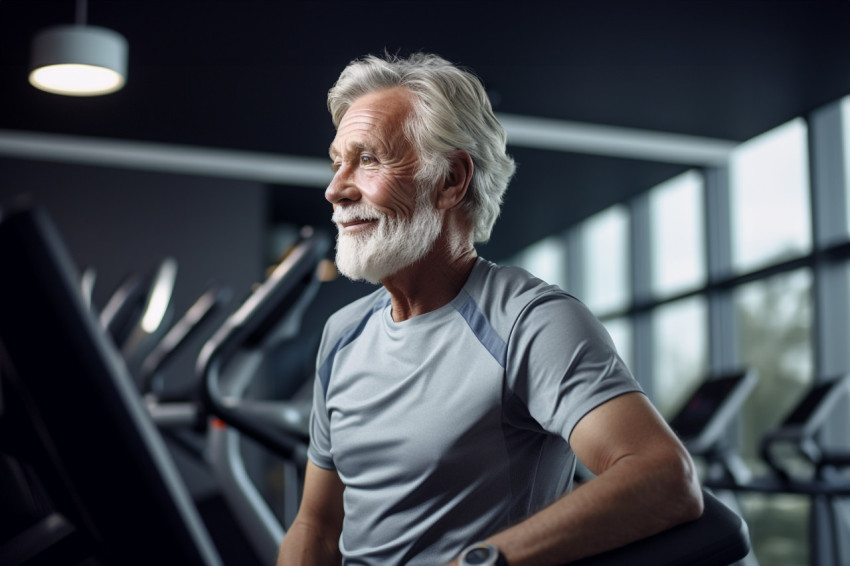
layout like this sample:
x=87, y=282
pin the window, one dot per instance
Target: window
x=680, y=356
x=605, y=261
x=774, y=329
x=677, y=234
x=760, y=314
x=774, y=318
x=546, y=259
x=769, y=193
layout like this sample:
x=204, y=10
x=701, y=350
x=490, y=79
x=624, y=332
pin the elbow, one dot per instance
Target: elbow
x=691, y=507
x=685, y=490
x=677, y=492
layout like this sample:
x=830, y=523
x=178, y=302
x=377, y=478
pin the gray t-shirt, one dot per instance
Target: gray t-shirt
x=452, y=425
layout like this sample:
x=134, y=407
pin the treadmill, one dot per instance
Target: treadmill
x=704, y=420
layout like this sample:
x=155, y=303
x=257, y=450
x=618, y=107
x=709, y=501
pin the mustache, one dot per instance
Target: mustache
x=355, y=212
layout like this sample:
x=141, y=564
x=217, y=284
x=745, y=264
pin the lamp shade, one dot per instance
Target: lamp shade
x=78, y=60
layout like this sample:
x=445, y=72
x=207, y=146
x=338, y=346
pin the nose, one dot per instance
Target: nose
x=342, y=187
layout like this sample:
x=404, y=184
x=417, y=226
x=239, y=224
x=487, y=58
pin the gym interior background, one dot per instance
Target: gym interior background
x=683, y=169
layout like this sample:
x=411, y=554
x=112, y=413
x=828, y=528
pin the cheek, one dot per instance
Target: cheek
x=391, y=194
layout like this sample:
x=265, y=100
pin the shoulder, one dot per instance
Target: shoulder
x=520, y=306
x=344, y=326
x=491, y=278
x=505, y=293
x=355, y=312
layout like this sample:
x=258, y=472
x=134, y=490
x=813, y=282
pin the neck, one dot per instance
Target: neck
x=431, y=282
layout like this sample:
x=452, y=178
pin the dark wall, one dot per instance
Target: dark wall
x=121, y=222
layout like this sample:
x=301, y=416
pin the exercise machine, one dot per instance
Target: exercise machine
x=800, y=463
x=228, y=497
x=704, y=422
x=74, y=417
x=139, y=312
x=226, y=366
x=705, y=418
x=194, y=320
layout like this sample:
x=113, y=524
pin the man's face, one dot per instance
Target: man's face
x=384, y=224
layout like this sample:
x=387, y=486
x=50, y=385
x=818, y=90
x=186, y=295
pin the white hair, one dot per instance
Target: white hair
x=451, y=111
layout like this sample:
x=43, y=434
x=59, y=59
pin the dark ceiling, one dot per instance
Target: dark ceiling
x=253, y=75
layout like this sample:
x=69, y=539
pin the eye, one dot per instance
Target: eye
x=366, y=159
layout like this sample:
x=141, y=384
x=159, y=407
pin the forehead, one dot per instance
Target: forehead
x=374, y=118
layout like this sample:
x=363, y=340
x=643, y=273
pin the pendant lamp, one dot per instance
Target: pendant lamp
x=79, y=59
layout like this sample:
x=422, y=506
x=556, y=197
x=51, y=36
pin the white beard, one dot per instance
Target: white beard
x=395, y=243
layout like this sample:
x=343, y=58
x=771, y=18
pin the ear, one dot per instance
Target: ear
x=453, y=189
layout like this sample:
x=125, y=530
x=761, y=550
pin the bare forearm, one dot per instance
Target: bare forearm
x=628, y=502
x=306, y=546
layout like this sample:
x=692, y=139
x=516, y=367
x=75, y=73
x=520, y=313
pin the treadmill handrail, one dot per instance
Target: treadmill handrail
x=246, y=327
x=190, y=323
x=802, y=425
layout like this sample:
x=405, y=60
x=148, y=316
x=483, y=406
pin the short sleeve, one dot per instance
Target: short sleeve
x=562, y=363
x=319, y=450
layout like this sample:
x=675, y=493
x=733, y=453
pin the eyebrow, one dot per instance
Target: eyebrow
x=353, y=147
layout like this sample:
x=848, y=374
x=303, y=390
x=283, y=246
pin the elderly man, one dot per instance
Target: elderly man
x=450, y=405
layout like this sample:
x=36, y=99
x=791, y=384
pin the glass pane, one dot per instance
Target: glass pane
x=680, y=350
x=677, y=234
x=620, y=330
x=605, y=260
x=546, y=259
x=774, y=318
x=769, y=195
